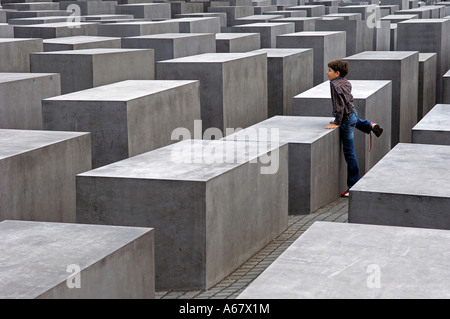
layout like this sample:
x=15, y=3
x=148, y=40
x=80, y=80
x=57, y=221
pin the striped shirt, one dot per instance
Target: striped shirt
x=342, y=99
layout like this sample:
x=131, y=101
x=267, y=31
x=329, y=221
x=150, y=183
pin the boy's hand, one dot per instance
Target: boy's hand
x=331, y=126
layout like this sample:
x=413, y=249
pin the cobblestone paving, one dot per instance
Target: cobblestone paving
x=236, y=282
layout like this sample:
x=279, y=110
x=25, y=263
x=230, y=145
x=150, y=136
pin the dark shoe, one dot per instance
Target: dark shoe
x=345, y=194
x=376, y=129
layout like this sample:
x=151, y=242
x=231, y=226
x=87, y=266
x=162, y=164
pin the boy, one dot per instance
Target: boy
x=346, y=118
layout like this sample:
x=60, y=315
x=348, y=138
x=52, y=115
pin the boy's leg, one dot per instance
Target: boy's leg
x=368, y=126
x=347, y=133
x=364, y=125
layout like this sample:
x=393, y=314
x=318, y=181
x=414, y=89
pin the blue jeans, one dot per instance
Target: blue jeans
x=363, y=125
x=347, y=128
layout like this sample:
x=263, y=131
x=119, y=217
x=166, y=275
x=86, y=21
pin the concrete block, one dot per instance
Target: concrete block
x=91, y=7
x=359, y=37
x=68, y=261
x=382, y=36
x=396, y=18
x=80, y=43
x=55, y=30
x=287, y=13
x=311, y=10
x=137, y=28
x=181, y=7
x=432, y=128
x=427, y=36
x=345, y=16
x=402, y=68
x=173, y=45
x=30, y=159
x=125, y=118
x=13, y=14
x=446, y=5
x=367, y=11
x=326, y=45
x=427, y=83
x=301, y=24
x=24, y=111
x=372, y=100
x=237, y=42
x=233, y=86
x=315, y=178
x=6, y=30
x=14, y=54
x=393, y=41
x=199, y=24
x=390, y=9
x=406, y=188
x=207, y=225
x=261, y=18
x=30, y=6
x=403, y=4
x=147, y=11
x=289, y=72
x=422, y=13
x=107, y=17
x=84, y=69
x=221, y=15
x=268, y=31
x=233, y=13
x=351, y=261
x=446, y=87
x=41, y=20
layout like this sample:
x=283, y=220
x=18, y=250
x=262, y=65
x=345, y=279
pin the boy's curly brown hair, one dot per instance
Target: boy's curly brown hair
x=339, y=65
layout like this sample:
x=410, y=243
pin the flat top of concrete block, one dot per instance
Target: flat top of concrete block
x=6, y=40
x=260, y=17
x=11, y=77
x=295, y=19
x=141, y=4
x=410, y=169
x=381, y=55
x=312, y=34
x=89, y=51
x=34, y=256
x=187, y=160
x=425, y=21
x=170, y=36
x=361, y=89
x=140, y=22
x=230, y=36
x=345, y=260
x=435, y=120
x=305, y=6
x=56, y=25
x=425, y=56
x=122, y=91
x=79, y=39
x=400, y=17
x=280, y=52
x=211, y=58
x=194, y=19
x=290, y=129
x=14, y=142
x=263, y=24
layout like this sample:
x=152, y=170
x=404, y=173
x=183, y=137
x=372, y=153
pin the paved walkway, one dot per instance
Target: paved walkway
x=236, y=282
